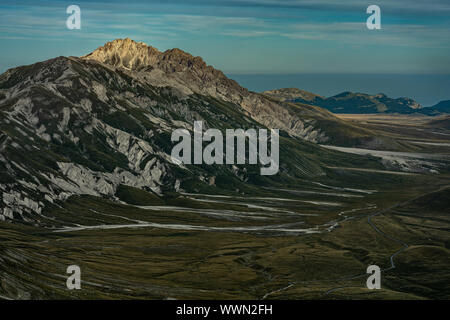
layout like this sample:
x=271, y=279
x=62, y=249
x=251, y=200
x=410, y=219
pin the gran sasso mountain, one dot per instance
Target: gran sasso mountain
x=96, y=124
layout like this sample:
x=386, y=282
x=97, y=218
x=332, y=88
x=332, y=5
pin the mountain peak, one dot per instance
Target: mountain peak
x=125, y=53
x=138, y=56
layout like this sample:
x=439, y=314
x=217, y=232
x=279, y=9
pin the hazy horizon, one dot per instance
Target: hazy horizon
x=426, y=89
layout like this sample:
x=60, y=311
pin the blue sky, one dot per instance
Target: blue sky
x=242, y=36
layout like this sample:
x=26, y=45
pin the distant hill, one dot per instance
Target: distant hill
x=441, y=107
x=292, y=94
x=359, y=103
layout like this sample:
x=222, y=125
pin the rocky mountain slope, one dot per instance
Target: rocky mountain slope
x=101, y=125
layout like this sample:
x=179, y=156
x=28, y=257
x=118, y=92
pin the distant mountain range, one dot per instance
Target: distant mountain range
x=358, y=103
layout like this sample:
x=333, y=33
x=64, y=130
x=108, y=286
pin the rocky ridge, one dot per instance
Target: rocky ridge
x=190, y=75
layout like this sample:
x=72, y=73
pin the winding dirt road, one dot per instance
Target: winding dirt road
x=379, y=231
